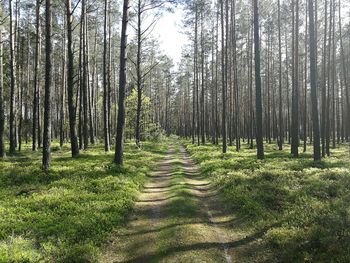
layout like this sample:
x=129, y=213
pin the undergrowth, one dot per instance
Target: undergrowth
x=66, y=214
x=302, y=207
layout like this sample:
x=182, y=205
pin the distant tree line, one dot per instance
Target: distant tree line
x=66, y=65
x=255, y=72
x=265, y=71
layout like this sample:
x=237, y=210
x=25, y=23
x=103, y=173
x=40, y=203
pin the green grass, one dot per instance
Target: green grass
x=65, y=215
x=185, y=224
x=301, y=207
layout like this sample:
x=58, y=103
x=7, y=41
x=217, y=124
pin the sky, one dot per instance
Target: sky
x=168, y=29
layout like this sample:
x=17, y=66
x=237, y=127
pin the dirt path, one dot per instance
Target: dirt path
x=177, y=218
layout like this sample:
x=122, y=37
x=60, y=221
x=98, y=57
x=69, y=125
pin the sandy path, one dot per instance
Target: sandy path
x=177, y=218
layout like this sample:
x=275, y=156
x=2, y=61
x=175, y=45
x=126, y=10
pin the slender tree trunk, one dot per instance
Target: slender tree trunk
x=235, y=79
x=62, y=106
x=196, y=76
x=217, y=133
x=12, y=83
x=213, y=128
x=139, y=77
x=281, y=132
x=105, y=88
x=194, y=84
x=70, y=84
x=268, y=88
x=223, y=80
x=287, y=84
x=259, y=136
x=122, y=85
x=48, y=83
x=345, y=76
x=329, y=66
x=295, y=97
x=109, y=74
x=333, y=79
x=202, y=84
x=20, y=94
x=324, y=86
x=313, y=81
x=84, y=77
x=2, y=112
x=305, y=82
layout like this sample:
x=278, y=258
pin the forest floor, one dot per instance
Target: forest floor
x=168, y=204
x=298, y=209
x=66, y=214
x=178, y=218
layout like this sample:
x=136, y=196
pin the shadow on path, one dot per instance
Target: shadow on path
x=178, y=218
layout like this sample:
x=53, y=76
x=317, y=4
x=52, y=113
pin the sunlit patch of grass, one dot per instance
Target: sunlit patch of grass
x=302, y=206
x=18, y=249
x=64, y=215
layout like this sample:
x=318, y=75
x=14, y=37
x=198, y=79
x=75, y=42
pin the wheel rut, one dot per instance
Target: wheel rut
x=176, y=218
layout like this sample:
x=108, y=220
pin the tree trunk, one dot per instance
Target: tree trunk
x=305, y=82
x=281, y=132
x=345, y=76
x=324, y=86
x=118, y=159
x=313, y=81
x=84, y=77
x=259, y=136
x=12, y=84
x=48, y=83
x=295, y=97
x=70, y=84
x=139, y=77
x=223, y=80
x=63, y=89
x=105, y=88
x=2, y=111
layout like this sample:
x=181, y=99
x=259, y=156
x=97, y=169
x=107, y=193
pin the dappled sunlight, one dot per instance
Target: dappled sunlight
x=71, y=209
x=177, y=216
x=308, y=197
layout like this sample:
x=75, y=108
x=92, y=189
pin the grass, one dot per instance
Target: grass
x=65, y=215
x=302, y=207
x=182, y=213
x=186, y=228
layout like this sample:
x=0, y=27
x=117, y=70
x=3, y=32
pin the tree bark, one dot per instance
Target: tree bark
x=313, y=81
x=48, y=83
x=12, y=84
x=259, y=135
x=118, y=159
x=2, y=112
x=345, y=76
x=70, y=84
x=139, y=77
x=295, y=97
x=105, y=88
x=281, y=132
x=223, y=80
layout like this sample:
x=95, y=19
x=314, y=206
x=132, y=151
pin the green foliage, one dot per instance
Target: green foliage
x=66, y=214
x=150, y=131
x=19, y=250
x=301, y=207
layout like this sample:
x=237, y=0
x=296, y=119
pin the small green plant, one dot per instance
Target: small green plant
x=66, y=214
x=301, y=206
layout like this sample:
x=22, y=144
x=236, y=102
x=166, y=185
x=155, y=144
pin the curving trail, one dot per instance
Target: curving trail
x=178, y=218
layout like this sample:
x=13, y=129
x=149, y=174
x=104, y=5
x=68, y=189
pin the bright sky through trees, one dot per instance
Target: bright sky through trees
x=169, y=30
